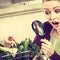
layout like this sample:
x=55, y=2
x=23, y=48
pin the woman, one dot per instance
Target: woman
x=50, y=43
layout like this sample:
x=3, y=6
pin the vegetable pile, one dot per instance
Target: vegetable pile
x=25, y=48
x=27, y=45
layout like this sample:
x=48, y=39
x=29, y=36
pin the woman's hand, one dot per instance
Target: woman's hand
x=8, y=43
x=47, y=47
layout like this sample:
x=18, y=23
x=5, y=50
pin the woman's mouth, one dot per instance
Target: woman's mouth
x=55, y=24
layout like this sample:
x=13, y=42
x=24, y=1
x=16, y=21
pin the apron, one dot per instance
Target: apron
x=56, y=43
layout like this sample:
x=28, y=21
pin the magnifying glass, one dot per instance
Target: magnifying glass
x=38, y=27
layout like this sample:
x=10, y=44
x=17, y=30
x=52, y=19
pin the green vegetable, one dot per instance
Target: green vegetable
x=27, y=45
x=4, y=53
x=25, y=48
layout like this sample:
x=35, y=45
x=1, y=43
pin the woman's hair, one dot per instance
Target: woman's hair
x=50, y=0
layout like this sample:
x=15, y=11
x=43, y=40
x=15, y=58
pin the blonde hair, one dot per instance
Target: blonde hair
x=50, y=0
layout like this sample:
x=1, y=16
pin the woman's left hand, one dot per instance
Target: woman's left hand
x=47, y=47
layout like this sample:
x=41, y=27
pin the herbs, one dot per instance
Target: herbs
x=25, y=49
x=27, y=45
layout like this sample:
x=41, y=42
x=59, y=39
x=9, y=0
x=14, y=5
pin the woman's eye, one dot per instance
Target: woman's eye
x=47, y=12
x=57, y=11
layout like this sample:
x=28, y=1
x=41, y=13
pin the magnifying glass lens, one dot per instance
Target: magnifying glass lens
x=38, y=27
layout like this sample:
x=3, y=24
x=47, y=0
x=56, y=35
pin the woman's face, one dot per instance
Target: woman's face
x=52, y=12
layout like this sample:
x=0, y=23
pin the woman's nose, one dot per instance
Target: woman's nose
x=53, y=15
